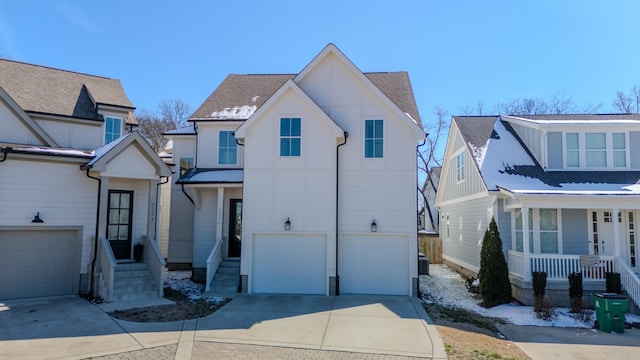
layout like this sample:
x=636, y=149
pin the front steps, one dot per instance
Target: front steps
x=227, y=277
x=133, y=281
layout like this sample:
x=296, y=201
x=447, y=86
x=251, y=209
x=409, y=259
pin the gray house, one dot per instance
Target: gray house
x=564, y=190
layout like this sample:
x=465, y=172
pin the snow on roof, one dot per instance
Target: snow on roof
x=189, y=130
x=212, y=176
x=55, y=151
x=235, y=113
x=504, y=163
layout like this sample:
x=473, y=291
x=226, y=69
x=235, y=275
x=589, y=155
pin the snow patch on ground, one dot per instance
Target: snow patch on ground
x=180, y=280
x=447, y=288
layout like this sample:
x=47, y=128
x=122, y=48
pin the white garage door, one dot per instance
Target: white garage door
x=374, y=264
x=289, y=264
x=36, y=263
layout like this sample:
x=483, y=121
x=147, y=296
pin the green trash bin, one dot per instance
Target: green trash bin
x=610, y=310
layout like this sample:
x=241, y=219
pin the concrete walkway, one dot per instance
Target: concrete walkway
x=250, y=326
x=569, y=343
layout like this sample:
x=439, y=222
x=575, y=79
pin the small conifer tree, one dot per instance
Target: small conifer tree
x=495, y=287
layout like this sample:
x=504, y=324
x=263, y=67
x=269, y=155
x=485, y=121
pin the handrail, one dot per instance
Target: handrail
x=153, y=257
x=107, y=265
x=213, y=261
x=630, y=281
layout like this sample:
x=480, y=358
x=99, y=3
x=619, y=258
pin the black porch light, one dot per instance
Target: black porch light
x=287, y=225
x=374, y=226
x=36, y=219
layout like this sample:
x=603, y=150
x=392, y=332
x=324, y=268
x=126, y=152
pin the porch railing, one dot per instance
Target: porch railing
x=153, y=257
x=107, y=266
x=213, y=261
x=558, y=267
x=630, y=281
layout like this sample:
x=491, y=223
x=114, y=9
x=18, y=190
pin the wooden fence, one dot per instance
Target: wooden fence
x=431, y=246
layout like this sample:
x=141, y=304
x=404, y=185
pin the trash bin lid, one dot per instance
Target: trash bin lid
x=613, y=296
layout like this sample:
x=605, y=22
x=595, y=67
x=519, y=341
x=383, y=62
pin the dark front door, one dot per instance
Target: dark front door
x=235, y=227
x=119, y=221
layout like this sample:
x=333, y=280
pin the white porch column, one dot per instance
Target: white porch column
x=219, y=214
x=616, y=233
x=104, y=206
x=153, y=210
x=525, y=244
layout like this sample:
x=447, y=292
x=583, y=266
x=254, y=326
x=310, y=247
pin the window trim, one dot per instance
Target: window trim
x=289, y=137
x=121, y=130
x=234, y=146
x=609, y=151
x=534, y=232
x=373, y=139
x=460, y=161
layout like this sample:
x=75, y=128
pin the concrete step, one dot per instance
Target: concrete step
x=226, y=276
x=131, y=266
x=223, y=289
x=225, y=282
x=134, y=287
x=228, y=270
x=131, y=273
x=132, y=280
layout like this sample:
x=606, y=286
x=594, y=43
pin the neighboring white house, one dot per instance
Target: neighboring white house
x=308, y=178
x=564, y=190
x=78, y=186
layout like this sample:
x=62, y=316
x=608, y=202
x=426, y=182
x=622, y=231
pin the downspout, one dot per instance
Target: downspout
x=195, y=129
x=346, y=136
x=425, y=201
x=95, y=240
x=187, y=195
x=6, y=152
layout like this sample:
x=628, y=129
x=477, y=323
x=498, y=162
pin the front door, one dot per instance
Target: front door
x=235, y=227
x=120, y=215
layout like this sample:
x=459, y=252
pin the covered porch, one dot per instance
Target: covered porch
x=562, y=234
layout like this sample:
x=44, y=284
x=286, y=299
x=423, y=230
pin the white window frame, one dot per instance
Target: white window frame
x=108, y=118
x=373, y=139
x=534, y=233
x=460, y=161
x=220, y=148
x=609, y=149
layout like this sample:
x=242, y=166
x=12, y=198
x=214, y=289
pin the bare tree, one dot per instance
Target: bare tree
x=623, y=102
x=471, y=110
x=430, y=154
x=635, y=94
x=172, y=114
x=176, y=111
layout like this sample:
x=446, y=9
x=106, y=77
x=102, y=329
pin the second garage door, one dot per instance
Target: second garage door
x=289, y=264
x=35, y=263
x=374, y=264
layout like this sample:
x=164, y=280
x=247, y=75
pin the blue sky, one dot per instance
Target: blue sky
x=456, y=52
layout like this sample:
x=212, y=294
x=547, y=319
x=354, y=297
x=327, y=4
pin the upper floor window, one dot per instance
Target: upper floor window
x=595, y=150
x=290, y=136
x=112, y=129
x=186, y=163
x=460, y=166
x=373, y=138
x=227, y=148
x=619, y=150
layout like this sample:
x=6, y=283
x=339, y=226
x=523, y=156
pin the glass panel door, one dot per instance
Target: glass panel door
x=120, y=215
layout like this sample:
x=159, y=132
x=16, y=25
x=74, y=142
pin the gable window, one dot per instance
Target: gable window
x=373, y=138
x=227, y=148
x=460, y=167
x=596, y=149
x=619, y=150
x=186, y=163
x=112, y=129
x=572, y=151
x=290, y=136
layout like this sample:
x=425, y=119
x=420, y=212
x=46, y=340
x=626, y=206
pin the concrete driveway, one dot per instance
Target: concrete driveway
x=70, y=327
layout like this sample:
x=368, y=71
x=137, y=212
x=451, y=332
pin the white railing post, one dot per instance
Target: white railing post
x=213, y=261
x=630, y=281
x=525, y=244
x=153, y=257
x=107, y=266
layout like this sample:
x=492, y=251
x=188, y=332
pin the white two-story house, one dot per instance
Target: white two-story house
x=306, y=181
x=564, y=190
x=78, y=187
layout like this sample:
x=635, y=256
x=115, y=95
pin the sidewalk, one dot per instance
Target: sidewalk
x=570, y=343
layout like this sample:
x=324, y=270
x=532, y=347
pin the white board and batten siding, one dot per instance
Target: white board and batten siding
x=289, y=263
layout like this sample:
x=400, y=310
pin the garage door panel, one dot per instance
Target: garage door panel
x=374, y=264
x=289, y=264
x=37, y=263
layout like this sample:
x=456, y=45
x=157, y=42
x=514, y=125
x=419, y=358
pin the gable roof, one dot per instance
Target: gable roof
x=46, y=90
x=505, y=163
x=104, y=154
x=290, y=85
x=581, y=118
x=26, y=120
x=234, y=97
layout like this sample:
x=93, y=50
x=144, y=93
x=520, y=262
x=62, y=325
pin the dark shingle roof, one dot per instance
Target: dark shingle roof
x=241, y=90
x=60, y=92
x=475, y=129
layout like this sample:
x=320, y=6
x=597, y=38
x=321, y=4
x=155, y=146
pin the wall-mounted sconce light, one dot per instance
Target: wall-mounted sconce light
x=37, y=219
x=374, y=226
x=287, y=225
